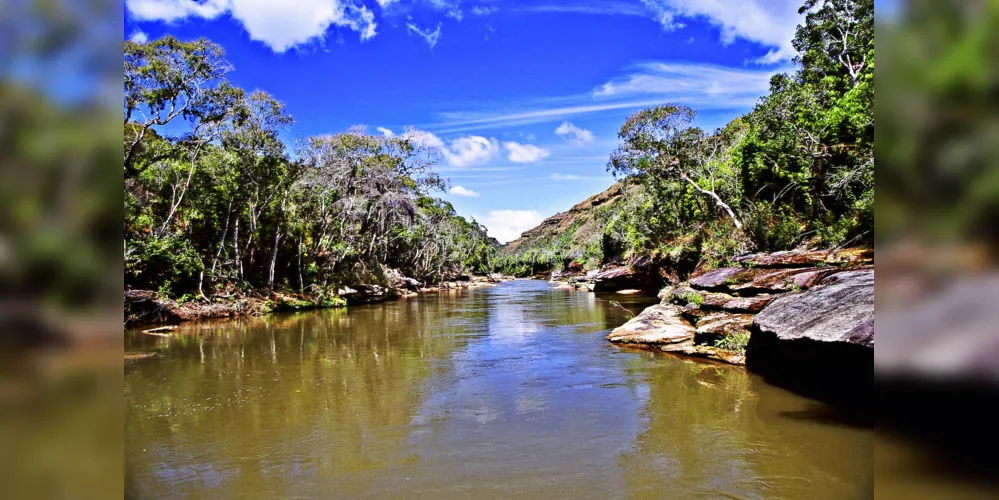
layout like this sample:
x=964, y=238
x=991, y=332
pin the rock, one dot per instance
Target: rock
x=656, y=325
x=842, y=310
x=629, y=291
x=748, y=304
x=689, y=348
x=820, y=342
x=748, y=282
x=346, y=291
x=800, y=258
x=717, y=325
x=692, y=312
x=681, y=295
x=722, y=278
x=613, y=277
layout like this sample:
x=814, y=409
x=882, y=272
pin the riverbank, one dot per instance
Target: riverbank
x=146, y=307
x=802, y=319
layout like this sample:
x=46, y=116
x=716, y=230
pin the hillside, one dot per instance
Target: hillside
x=573, y=235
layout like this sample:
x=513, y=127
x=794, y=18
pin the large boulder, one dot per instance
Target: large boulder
x=820, y=342
x=657, y=325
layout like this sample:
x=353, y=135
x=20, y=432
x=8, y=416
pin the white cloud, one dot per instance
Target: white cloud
x=462, y=191
x=460, y=152
x=483, y=10
x=572, y=177
x=279, y=25
x=669, y=22
x=700, y=86
x=385, y=3
x=524, y=153
x=565, y=177
x=455, y=14
x=507, y=225
x=600, y=8
x=428, y=36
x=138, y=37
x=471, y=149
x=769, y=23
x=697, y=85
x=386, y=132
x=570, y=131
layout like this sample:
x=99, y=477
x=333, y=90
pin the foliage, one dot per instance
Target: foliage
x=736, y=342
x=220, y=205
x=796, y=170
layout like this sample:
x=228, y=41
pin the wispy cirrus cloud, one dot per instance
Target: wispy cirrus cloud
x=431, y=37
x=592, y=8
x=279, y=25
x=698, y=85
x=703, y=85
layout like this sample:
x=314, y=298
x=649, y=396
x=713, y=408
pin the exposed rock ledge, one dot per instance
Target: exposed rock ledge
x=820, y=342
x=807, y=317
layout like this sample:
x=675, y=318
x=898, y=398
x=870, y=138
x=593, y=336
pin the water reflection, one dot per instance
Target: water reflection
x=505, y=391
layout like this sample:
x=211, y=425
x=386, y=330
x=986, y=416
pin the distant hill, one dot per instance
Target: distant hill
x=573, y=235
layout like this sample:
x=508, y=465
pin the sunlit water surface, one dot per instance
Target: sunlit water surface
x=508, y=391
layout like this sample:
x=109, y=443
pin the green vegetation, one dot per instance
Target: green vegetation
x=736, y=342
x=798, y=169
x=217, y=205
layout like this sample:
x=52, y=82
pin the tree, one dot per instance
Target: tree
x=165, y=79
x=661, y=146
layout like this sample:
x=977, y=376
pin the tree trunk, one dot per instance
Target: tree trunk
x=718, y=201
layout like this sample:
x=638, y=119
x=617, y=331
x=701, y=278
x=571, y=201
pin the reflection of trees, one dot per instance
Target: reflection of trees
x=248, y=406
x=714, y=431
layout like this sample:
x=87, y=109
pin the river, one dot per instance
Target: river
x=506, y=391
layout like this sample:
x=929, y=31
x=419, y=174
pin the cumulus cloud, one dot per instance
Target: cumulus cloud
x=524, y=153
x=279, y=25
x=460, y=152
x=771, y=23
x=428, y=36
x=138, y=37
x=386, y=132
x=462, y=191
x=574, y=133
x=507, y=225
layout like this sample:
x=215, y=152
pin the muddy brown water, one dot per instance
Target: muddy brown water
x=500, y=392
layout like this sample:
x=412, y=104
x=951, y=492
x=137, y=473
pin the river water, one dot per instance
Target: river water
x=507, y=391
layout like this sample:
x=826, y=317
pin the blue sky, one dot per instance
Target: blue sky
x=523, y=99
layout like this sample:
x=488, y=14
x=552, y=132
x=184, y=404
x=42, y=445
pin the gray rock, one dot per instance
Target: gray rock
x=841, y=309
x=656, y=325
x=820, y=342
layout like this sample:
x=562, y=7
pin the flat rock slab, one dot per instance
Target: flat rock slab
x=797, y=258
x=656, y=325
x=756, y=281
x=750, y=305
x=722, y=324
x=688, y=348
x=841, y=309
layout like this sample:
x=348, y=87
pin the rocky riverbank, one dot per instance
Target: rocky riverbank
x=146, y=307
x=803, y=319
